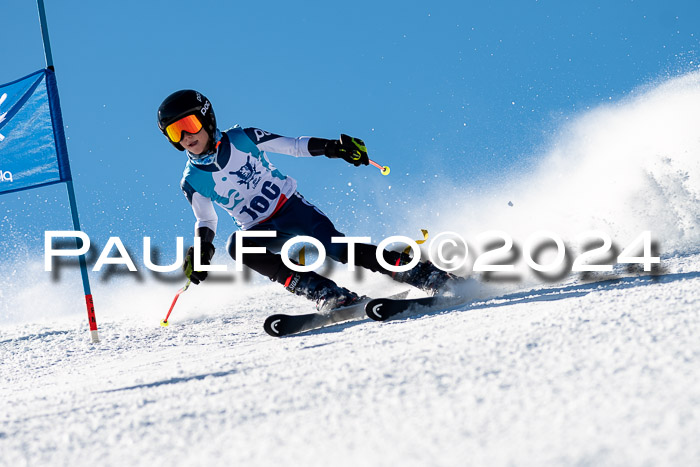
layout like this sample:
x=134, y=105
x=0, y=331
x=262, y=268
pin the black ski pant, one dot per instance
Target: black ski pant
x=299, y=217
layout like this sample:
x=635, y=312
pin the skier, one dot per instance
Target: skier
x=231, y=169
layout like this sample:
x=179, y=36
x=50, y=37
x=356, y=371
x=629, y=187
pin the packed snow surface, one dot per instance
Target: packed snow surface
x=601, y=369
x=589, y=373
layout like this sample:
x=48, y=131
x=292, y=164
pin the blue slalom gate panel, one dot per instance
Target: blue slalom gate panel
x=32, y=141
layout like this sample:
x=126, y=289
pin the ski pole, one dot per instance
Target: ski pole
x=385, y=169
x=164, y=323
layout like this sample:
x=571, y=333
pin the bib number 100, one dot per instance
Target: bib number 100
x=261, y=203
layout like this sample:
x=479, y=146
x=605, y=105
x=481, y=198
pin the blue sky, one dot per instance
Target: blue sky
x=444, y=92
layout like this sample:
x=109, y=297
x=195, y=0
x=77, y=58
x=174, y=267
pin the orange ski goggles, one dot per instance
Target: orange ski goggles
x=190, y=124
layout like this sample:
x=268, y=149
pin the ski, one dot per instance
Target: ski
x=279, y=325
x=381, y=309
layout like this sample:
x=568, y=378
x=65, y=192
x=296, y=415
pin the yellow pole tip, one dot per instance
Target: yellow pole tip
x=386, y=170
x=164, y=323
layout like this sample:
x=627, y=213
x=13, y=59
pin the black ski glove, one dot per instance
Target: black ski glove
x=352, y=150
x=188, y=266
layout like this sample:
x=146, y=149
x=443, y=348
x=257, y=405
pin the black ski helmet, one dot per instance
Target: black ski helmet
x=183, y=103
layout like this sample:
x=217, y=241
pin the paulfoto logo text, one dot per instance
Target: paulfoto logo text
x=542, y=251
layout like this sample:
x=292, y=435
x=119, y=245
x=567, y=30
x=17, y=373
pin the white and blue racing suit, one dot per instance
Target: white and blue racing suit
x=241, y=179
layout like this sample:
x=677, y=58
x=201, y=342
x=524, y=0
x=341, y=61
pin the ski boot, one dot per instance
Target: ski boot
x=327, y=294
x=426, y=276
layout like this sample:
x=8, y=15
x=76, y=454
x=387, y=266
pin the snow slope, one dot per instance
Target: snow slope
x=601, y=373
x=584, y=371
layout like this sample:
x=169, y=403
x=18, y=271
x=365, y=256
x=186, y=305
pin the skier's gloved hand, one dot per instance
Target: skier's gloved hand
x=188, y=266
x=352, y=150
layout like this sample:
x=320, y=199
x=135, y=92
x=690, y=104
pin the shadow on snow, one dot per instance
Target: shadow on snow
x=529, y=296
x=173, y=381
